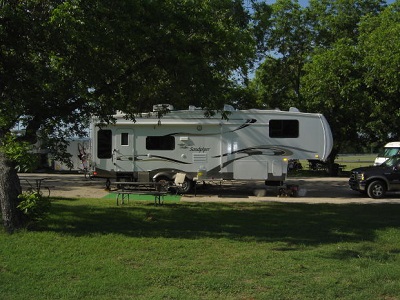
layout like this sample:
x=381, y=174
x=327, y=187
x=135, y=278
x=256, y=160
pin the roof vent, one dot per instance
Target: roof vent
x=162, y=107
x=228, y=107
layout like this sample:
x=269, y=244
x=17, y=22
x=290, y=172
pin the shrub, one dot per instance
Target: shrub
x=34, y=206
x=20, y=153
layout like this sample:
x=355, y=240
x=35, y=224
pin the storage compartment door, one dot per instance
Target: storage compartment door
x=254, y=168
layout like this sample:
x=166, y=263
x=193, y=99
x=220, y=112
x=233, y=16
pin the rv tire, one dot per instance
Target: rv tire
x=187, y=185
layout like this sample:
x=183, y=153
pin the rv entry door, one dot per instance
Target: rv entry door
x=123, y=153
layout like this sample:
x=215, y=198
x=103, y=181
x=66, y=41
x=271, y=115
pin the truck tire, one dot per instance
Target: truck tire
x=376, y=189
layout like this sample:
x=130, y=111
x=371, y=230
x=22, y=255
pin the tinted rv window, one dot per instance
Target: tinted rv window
x=160, y=142
x=284, y=128
x=104, y=144
x=124, y=139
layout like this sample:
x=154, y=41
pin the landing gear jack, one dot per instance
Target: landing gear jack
x=108, y=184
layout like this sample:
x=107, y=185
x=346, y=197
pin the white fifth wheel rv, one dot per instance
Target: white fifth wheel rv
x=251, y=145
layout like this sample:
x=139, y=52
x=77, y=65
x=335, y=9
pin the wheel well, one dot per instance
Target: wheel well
x=162, y=177
x=170, y=176
x=378, y=179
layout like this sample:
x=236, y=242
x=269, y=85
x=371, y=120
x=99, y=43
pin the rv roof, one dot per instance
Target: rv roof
x=197, y=112
x=195, y=116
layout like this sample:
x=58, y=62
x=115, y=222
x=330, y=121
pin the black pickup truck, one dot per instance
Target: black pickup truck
x=375, y=181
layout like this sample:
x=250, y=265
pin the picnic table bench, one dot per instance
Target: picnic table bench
x=37, y=187
x=156, y=189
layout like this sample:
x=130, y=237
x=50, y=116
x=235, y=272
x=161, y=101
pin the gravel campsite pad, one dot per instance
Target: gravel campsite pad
x=312, y=190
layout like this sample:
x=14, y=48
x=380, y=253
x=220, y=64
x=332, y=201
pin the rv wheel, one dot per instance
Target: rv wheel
x=186, y=186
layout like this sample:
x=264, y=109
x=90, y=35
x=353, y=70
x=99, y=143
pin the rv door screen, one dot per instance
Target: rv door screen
x=124, y=139
x=284, y=128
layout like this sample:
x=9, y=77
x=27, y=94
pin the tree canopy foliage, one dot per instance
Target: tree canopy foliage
x=337, y=57
x=379, y=45
x=286, y=45
x=62, y=61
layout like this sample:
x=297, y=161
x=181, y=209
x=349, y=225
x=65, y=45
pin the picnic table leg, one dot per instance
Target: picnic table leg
x=127, y=197
x=157, y=199
x=123, y=197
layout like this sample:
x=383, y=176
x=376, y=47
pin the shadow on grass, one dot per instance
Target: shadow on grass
x=295, y=224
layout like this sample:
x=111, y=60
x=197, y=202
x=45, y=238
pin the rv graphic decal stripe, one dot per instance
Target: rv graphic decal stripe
x=158, y=158
x=266, y=150
x=273, y=150
x=227, y=163
x=124, y=158
x=192, y=134
x=247, y=123
x=269, y=151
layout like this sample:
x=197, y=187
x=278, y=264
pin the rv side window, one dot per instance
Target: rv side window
x=160, y=142
x=104, y=144
x=124, y=139
x=284, y=128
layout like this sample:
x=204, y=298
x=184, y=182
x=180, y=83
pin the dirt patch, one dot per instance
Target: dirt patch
x=66, y=185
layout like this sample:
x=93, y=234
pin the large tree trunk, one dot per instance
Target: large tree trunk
x=10, y=188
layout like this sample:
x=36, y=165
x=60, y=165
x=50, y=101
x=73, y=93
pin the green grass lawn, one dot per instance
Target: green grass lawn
x=349, y=162
x=92, y=249
x=355, y=161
